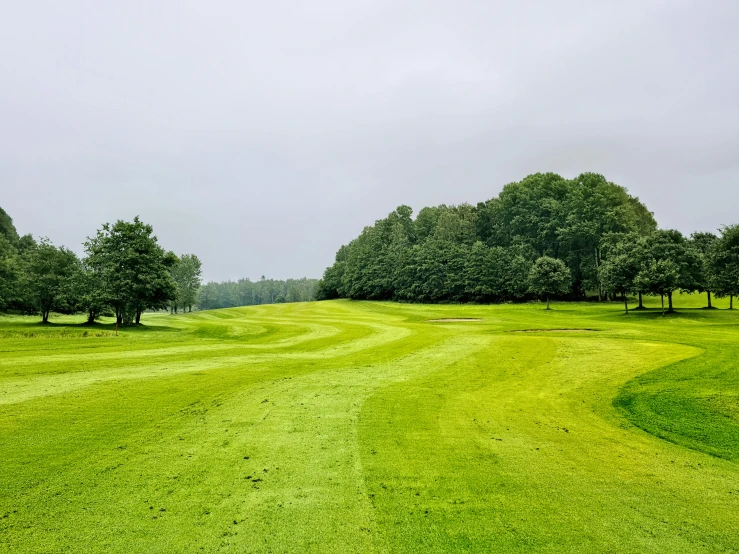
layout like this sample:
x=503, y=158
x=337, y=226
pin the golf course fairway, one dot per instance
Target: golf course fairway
x=368, y=427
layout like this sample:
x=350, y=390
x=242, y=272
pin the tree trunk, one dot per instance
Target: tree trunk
x=669, y=299
x=138, y=317
x=91, y=317
x=663, y=304
x=731, y=301
x=44, y=316
x=118, y=316
x=626, y=304
x=641, y=301
x=597, y=274
x=548, y=302
x=708, y=292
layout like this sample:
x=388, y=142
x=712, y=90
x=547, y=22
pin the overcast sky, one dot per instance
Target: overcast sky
x=263, y=135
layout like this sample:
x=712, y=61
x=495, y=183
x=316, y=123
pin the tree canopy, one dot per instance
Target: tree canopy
x=484, y=253
x=722, y=263
x=134, y=269
x=50, y=277
x=187, y=274
x=606, y=239
x=549, y=276
x=124, y=272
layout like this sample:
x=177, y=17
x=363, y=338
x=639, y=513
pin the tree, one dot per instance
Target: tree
x=544, y=213
x=25, y=243
x=497, y=273
x=659, y=276
x=663, y=246
x=133, y=267
x=456, y=224
x=623, y=256
x=7, y=229
x=50, y=274
x=722, y=263
x=366, y=274
x=11, y=270
x=596, y=208
x=208, y=296
x=91, y=292
x=433, y=272
x=10, y=273
x=331, y=285
x=549, y=276
x=186, y=273
x=193, y=277
x=618, y=273
x=702, y=243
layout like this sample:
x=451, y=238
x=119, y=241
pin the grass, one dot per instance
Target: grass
x=364, y=427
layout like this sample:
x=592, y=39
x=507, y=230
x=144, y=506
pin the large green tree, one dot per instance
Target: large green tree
x=12, y=248
x=187, y=274
x=618, y=272
x=702, y=244
x=134, y=269
x=7, y=229
x=92, y=293
x=722, y=264
x=10, y=273
x=50, y=276
x=668, y=245
x=660, y=277
x=596, y=208
x=549, y=276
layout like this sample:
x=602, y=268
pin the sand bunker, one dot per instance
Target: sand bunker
x=454, y=319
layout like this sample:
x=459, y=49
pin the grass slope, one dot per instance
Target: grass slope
x=364, y=427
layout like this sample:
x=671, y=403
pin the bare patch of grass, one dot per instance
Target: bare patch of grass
x=555, y=330
x=454, y=320
x=54, y=334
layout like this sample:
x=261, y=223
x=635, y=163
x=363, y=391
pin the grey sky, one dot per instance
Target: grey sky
x=263, y=135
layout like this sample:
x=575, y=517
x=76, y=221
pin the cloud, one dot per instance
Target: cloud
x=262, y=136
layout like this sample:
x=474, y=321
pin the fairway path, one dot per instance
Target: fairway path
x=365, y=427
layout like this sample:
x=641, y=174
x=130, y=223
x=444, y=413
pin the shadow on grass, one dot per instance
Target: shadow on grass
x=702, y=314
x=39, y=329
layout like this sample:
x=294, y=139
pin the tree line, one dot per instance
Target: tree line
x=543, y=236
x=123, y=273
x=244, y=292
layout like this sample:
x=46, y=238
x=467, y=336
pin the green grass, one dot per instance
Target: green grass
x=363, y=427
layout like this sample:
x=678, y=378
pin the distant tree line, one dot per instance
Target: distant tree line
x=123, y=273
x=543, y=236
x=245, y=292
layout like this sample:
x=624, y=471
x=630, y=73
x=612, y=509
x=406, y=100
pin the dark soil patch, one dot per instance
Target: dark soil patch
x=454, y=319
x=555, y=331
